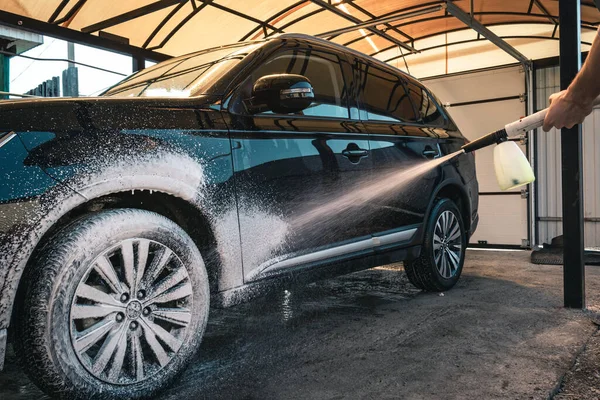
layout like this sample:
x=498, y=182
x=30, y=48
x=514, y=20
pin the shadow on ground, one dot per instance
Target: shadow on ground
x=501, y=333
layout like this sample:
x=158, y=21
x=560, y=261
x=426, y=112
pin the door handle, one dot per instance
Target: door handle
x=355, y=153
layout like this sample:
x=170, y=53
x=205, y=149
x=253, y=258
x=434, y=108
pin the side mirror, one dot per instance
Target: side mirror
x=282, y=93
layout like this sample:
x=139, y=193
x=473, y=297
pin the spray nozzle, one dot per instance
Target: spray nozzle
x=487, y=140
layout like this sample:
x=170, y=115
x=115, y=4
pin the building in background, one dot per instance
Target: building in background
x=54, y=67
x=13, y=42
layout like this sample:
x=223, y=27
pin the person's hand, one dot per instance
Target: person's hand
x=565, y=111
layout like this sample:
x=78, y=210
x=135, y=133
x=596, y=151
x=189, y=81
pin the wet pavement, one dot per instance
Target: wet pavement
x=500, y=333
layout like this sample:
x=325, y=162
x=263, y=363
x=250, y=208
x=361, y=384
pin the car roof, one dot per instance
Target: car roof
x=339, y=47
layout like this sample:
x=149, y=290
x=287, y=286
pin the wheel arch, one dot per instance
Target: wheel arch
x=454, y=190
x=168, y=202
x=194, y=221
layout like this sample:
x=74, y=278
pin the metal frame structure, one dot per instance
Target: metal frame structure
x=552, y=19
x=383, y=21
x=486, y=33
x=340, y=13
x=33, y=25
x=376, y=26
x=479, y=40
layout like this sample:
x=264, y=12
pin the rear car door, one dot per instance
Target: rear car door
x=292, y=171
x=402, y=121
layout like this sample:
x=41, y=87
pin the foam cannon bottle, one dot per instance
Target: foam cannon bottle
x=511, y=165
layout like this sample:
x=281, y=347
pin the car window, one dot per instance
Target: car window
x=428, y=112
x=385, y=98
x=324, y=72
x=186, y=76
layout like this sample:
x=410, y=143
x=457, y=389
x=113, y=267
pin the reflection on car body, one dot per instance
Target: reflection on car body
x=188, y=183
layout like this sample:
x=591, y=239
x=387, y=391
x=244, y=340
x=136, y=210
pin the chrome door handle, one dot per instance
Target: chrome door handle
x=355, y=153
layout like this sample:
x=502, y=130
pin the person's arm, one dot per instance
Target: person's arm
x=571, y=106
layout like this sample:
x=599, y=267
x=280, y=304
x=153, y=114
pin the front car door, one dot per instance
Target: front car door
x=293, y=171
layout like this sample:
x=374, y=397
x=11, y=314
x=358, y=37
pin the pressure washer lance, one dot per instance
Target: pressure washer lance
x=511, y=165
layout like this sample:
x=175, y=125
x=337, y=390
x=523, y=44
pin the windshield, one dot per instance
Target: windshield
x=184, y=76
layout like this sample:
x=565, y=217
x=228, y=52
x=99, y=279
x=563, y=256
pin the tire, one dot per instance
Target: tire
x=427, y=272
x=552, y=256
x=91, y=326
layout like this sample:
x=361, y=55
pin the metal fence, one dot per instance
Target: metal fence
x=49, y=88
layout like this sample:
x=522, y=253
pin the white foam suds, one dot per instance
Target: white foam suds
x=152, y=172
x=226, y=230
x=263, y=236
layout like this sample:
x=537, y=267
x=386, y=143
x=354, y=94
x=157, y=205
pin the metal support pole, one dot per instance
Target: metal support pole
x=138, y=63
x=4, y=75
x=572, y=164
x=531, y=145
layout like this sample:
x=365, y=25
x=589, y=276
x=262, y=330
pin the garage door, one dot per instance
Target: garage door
x=549, y=206
x=479, y=103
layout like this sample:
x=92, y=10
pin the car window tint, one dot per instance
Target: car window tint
x=324, y=72
x=183, y=77
x=427, y=110
x=385, y=97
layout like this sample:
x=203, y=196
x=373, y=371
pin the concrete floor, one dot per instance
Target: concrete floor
x=500, y=333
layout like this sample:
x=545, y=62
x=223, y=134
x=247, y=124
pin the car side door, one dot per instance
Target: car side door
x=399, y=117
x=290, y=168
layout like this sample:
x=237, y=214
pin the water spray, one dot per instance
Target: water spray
x=511, y=165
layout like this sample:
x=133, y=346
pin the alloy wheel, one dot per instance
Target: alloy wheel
x=447, y=244
x=130, y=312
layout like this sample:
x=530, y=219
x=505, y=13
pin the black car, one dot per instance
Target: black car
x=209, y=179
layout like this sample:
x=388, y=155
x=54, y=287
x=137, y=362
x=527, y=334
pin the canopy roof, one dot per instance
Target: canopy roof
x=415, y=29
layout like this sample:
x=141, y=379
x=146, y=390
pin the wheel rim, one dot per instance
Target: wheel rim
x=131, y=311
x=447, y=244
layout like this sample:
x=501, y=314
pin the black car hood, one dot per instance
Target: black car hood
x=100, y=113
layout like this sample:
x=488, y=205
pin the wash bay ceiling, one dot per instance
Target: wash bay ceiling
x=407, y=33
